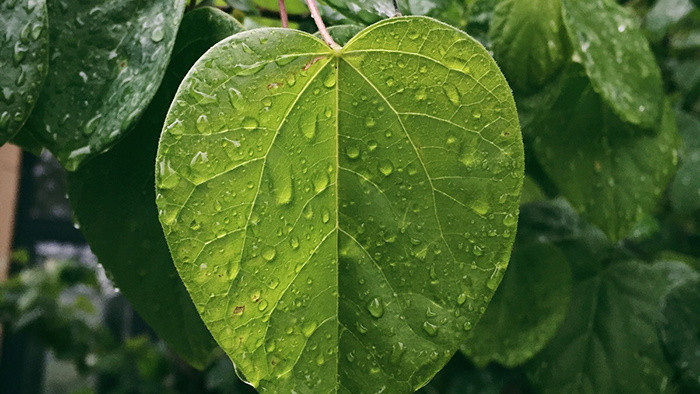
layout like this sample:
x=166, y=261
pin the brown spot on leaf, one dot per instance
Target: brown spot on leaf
x=311, y=62
x=239, y=310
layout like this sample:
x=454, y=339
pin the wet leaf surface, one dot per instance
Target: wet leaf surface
x=529, y=41
x=24, y=58
x=610, y=172
x=342, y=218
x=608, y=42
x=107, y=59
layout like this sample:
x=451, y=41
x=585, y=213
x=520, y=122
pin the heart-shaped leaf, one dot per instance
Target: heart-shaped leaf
x=608, y=42
x=24, y=58
x=526, y=310
x=341, y=218
x=608, y=341
x=114, y=202
x=106, y=61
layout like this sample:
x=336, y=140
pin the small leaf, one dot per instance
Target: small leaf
x=24, y=58
x=340, y=218
x=611, y=173
x=114, y=202
x=608, y=341
x=679, y=330
x=526, y=310
x=608, y=42
x=529, y=41
x=106, y=61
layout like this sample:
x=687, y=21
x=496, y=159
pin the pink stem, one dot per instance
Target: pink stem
x=283, y=13
x=321, y=26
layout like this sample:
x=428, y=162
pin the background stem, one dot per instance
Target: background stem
x=283, y=13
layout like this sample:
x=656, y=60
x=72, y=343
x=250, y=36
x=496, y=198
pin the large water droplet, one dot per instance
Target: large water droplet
x=269, y=253
x=376, y=308
x=157, y=34
x=430, y=329
x=249, y=123
x=202, y=123
x=386, y=167
x=308, y=128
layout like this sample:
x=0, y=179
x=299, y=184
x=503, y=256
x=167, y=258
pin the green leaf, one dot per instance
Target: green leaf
x=608, y=341
x=679, y=330
x=24, y=58
x=685, y=189
x=255, y=22
x=608, y=42
x=342, y=33
x=529, y=41
x=586, y=247
x=611, y=173
x=363, y=11
x=293, y=7
x=480, y=19
x=454, y=12
x=106, y=61
x=526, y=310
x=114, y=201
x=339, y=221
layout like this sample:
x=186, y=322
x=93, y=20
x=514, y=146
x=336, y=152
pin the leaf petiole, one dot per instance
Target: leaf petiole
x=321, y=26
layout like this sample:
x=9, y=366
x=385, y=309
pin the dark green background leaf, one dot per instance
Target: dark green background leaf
x=679, y=330
x=342, y=33
x=526, y=310
x=529, y=41
x=340, y=222
x=608, y=341
x=611, y=173
x=24, y=60
x=685, y=189
x=113, y=198
x=106, y=61
x=608, y=42
x=454, y=12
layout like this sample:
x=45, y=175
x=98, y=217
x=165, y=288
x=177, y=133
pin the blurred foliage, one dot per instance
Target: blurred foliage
x=57, y=304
